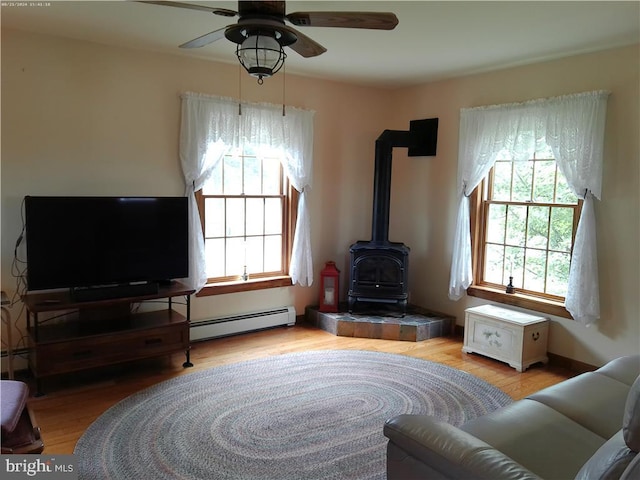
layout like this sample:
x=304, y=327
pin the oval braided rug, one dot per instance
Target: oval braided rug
x=310, y=415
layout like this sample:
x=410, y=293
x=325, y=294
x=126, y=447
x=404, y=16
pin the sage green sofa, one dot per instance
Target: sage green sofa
x=586, y=428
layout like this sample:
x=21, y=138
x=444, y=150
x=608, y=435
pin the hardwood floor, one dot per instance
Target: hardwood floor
x=72, y=402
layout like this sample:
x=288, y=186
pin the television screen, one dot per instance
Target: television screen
x=100, y=241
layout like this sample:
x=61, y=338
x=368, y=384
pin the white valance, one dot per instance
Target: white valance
x=573, y=126
x=210, y=127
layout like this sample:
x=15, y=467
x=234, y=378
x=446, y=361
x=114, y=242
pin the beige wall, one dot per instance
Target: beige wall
x=81, y=118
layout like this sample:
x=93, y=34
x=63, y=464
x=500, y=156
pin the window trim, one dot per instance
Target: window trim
x=486, y=291
x=244, y=285
x=259, y=281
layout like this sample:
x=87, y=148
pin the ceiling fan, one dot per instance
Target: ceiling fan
x=261, y=33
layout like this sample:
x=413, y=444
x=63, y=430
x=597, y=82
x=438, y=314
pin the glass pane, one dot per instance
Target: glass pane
x=514, y=265
x=273, y=215
x=545, y=153
x=496, y=223
x=522, y=181
x=534, y=274
x=494, y=263
x=516, y=218
x=504, y=155
x=235, y=217
x=236, y=256
x=502, y=181
x=544, y=181
x=252, y=176
x=214, y=257
x=248, y=150
x=255, y=254
x=255, y=216
x=271, y=176
x=558, y=273
x=273, y=253
x=563, y=191
x=538, y=227
x=561, y=229
x=232, y=175
x=214, y=217
x=213, y=185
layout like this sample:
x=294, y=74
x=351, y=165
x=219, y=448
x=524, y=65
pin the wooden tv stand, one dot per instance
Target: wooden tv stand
x=103, y=332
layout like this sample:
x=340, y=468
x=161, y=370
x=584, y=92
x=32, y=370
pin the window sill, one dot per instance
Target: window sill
x=519, y=300
x=244, y=286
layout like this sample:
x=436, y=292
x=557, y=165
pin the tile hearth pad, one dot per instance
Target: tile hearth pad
x=416, y=325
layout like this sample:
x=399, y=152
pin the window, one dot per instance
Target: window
x=247, y=213
x=526, y=220
x=574, y=125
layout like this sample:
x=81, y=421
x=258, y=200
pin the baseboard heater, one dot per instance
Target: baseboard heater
x=246, y=322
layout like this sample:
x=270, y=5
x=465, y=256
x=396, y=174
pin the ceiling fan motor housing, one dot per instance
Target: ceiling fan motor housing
x=244, y=29
x=252, y=8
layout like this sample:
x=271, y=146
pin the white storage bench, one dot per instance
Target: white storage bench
x=516, y=338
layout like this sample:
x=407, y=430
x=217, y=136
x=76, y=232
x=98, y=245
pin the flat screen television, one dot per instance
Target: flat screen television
x=80, y=242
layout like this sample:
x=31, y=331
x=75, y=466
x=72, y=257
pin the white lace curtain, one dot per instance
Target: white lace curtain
x=210, y=127
x=573, y=126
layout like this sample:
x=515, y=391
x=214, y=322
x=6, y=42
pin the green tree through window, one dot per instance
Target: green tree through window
x=529, y=215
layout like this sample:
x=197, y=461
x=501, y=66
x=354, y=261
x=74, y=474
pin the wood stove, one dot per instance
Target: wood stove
x=379, y=269
x=379, y=274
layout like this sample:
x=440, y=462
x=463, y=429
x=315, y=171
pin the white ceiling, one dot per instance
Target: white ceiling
x=433, y=40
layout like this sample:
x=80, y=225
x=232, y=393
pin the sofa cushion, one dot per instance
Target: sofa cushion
x=579, y=397
x=623, y=369
x=537, y=437
x=13, y=398
x=631, y=420
x=609, y=461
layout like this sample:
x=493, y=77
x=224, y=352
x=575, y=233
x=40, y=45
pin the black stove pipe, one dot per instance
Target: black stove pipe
x=382, y=181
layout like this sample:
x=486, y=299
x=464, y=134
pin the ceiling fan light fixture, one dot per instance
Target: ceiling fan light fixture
x=261, y=54
x=261, y=31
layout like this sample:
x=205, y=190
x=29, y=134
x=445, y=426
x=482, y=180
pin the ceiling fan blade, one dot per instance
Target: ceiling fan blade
x=304, y=45
x=218, y=11
x=370, y=20
x=205, y=39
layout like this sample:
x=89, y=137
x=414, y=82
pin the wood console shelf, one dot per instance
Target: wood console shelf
x=83, y=335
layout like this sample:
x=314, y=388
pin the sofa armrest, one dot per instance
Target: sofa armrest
x=449, y=451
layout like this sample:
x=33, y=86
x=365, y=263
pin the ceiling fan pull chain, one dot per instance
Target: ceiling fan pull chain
x=239, y=91
x=284, y=77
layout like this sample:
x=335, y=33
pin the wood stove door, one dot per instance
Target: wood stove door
x=378, y=276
